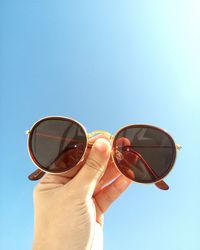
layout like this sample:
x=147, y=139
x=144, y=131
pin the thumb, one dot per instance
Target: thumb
x=89, y=175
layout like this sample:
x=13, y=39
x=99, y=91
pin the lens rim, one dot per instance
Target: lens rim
x=29, y=141
x=147, y=126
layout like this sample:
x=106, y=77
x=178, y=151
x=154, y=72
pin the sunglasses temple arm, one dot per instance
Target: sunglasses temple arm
x=36, y=175
x=160, y=184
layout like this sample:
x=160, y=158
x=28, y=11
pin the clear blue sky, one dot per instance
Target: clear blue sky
x=106, y=64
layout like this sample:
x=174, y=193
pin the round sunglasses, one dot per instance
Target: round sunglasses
x=143, y=153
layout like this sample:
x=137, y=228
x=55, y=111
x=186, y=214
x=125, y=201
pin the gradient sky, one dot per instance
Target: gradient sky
x=106, y=64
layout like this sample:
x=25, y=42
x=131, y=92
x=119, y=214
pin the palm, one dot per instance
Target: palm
x=49, y=182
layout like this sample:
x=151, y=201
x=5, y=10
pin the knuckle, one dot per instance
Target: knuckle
x=112, y=194
x=92, y=163
x=108, y=197
x=117, y=189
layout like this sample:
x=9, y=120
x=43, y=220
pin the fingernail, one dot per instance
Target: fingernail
x=102, y=145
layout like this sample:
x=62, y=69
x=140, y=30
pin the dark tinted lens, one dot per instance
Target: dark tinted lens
x=143, y=153
x=57, y=144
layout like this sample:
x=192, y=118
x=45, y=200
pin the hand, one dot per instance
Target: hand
x=69, y=208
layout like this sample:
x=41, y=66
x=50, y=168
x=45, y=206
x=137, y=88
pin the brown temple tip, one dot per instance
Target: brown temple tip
x=36, y=175
x=162, y=185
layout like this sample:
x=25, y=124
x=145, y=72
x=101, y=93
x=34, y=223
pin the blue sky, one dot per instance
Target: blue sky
x=106, y=64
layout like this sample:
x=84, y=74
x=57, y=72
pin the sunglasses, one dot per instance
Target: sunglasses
x=143, y=153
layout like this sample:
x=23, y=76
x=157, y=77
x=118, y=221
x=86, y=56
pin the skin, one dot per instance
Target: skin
x=69, y=208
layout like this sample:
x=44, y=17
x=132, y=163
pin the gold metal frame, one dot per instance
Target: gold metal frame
x=109, y=136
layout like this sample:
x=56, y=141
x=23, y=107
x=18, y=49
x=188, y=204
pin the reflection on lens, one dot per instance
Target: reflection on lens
x=144, y=153
x=57, y=144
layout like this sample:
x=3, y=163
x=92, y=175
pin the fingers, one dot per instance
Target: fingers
x=110, y=174
x=63, y=178
x=87, y=178
x=111, y=192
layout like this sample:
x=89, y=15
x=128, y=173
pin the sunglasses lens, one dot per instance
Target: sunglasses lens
x=57, y=144
x=144, y=153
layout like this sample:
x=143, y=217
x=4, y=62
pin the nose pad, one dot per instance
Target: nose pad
x=119, y=155
x=126, y=162
x=120, y=143
x=134, y=157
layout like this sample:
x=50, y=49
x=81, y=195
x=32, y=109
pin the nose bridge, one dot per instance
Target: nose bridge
x=103, y=132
